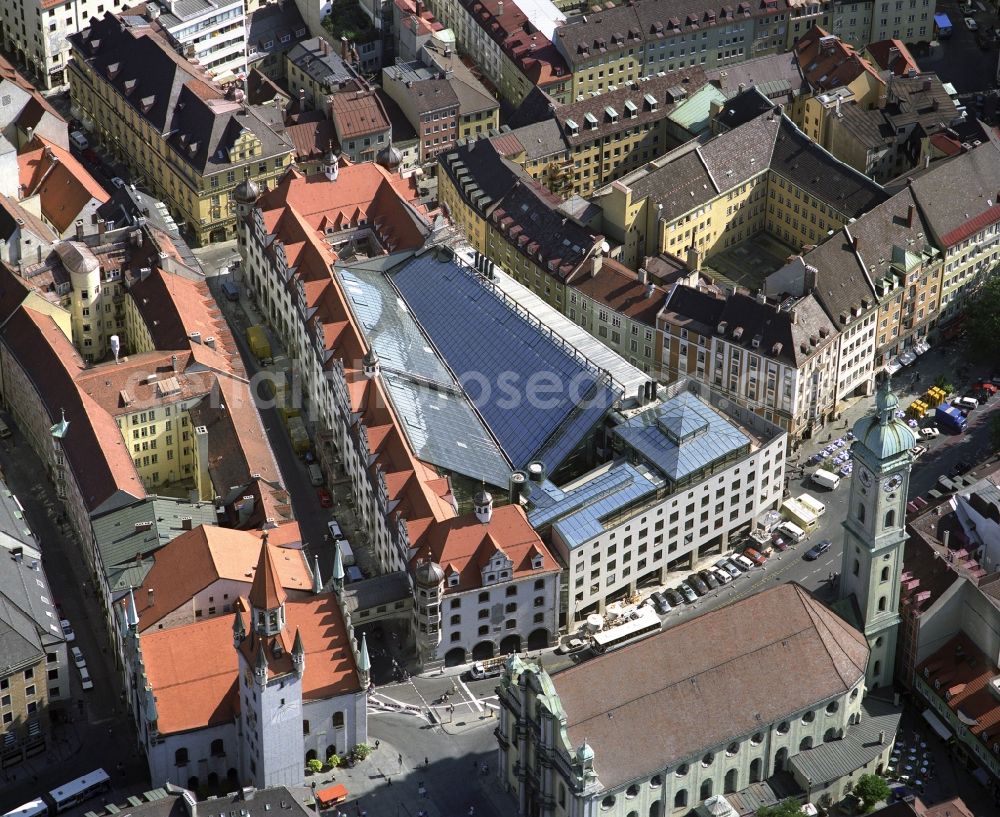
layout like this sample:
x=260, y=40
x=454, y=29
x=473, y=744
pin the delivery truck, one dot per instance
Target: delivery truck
x=950, y=418
x=796, y=512
x=812, y=504
x=260, y=345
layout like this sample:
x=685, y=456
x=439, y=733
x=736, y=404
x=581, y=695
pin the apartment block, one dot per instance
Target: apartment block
x=511, y=42
x=211, y=33
x=128, y=85
x=764, y=175
x=686, y=479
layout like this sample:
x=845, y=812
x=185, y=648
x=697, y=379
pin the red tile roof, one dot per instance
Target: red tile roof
x=961, y=674
x=193, y=672
x=979, y=222
x=63, y=185
x=358, y=113
x=463, y=545
x=901, y=64
x=266, y=592
x=94, y=449
x=826, y=62
x=619, y=288
x=199, y=557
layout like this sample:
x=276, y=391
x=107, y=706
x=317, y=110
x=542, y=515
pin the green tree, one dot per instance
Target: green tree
x=943, y=383
x=871, y=789
x=334, y=760
x=983, y=319
x=362, y=750
x=314, y=765
x=786, y=808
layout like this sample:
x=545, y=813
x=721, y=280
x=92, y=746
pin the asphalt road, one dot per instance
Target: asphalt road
x=92, y=729
x=959, y=60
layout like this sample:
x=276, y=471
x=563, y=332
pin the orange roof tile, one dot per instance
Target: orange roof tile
x=193, y=671
x=358, y=113
x=266, y=592
x=826, y=62
x=464, y=544
x=63, y=185
x=199, y=557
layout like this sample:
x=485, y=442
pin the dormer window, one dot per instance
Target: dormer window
x=611, y=113
x=631, y=109
x=453, y=579
x=537, y=561
x=591, y=121
x=572, y=127
x=650, y=101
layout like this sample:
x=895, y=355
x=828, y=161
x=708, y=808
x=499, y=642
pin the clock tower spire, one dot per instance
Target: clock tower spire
x=875, y=530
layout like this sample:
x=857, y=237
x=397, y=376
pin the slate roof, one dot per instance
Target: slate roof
x=767, y=74
x=743, y=107
x=859, y=746
x=538, y=141
x=679, y=186
x=648, y=21
x=174, y=96
x=319, y=60
x=842, y=286
x=28, y=619
x=709, y=680
x=668, y=91
x=799, y=159
x=959, y=197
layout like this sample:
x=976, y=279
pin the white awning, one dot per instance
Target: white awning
x=937, y=725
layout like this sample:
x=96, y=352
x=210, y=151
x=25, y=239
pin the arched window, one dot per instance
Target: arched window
x=890, y=517
x=632, y=792
x=181, y=757
x=681, y=799
x=218, y=748
x=805, y=743
x=861, y=513
x=755, y=765
x=856, y=568
x=830, y=734
x=877, y=669
x=881, y=604
x=706, y=789
x=608, y=802
x=885, y=574
x=732, y=781
x=654, y=809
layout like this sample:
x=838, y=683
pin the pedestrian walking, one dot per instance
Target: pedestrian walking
x=400, y=758
x=427, y=762
x=388, y=781
x=377, y=744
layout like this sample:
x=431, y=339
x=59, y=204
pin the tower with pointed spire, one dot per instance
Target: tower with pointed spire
x=272, y=664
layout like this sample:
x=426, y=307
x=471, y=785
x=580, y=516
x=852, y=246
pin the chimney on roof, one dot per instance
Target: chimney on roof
x=810, y=279
x=694, y=258
x=100, y=228
x=946, y=537
x=343, y=48
x=856, y=244
x=173, y=363
x=643, y=276
x=149, y=597
x=499, y=8
x=909, y=215
x=881, y=737
x=79, y=229
x=185, y=523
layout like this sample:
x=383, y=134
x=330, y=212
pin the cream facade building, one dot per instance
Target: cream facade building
x=698, y=717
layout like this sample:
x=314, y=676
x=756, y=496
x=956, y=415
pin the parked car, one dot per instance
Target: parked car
x=721, y=575
x=986, y=386
x=572, y=645
x=741, y=561
x=118, y=181
x=85, y=681
x=325, y=498
x=675, y=598
x=67, y=629
x=78, y=658
x=725, y=566
x=709, y=578
x=817, y=550
x=929, y=432
x=660, y=603
x=335, y=532
x=966, y=403
x=755, y=556
x=779, y=543
x=685, y=590
x=918, y=450
x=971, y=24
x=696, y=583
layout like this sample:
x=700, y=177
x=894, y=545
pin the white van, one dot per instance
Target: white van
x=825, y=479
x=967, y=403
x=812, y=504
x=79, y=140
x=346, y=552
x=791, y=531
x=315, y=474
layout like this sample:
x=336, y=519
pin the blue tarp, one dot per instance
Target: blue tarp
x=942, y=21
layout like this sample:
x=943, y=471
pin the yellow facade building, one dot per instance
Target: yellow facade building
x=764, y=176
x=175, y=129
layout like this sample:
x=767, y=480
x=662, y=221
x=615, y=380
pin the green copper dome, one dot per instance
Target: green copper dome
x=883, y=433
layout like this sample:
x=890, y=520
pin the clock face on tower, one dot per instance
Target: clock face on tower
x=866, y=477
x=892, y=483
